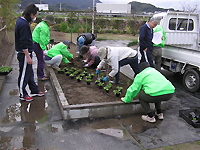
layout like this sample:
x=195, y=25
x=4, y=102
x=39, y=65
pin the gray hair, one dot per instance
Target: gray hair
x=156, y=19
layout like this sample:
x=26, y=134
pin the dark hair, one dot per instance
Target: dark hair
x=30, y=9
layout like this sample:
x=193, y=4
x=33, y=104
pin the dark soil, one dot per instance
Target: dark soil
x=81, y=93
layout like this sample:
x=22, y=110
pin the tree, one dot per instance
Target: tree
x=7, y=11
x=189, y=7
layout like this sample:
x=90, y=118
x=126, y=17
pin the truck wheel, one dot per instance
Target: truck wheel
x=191, y=80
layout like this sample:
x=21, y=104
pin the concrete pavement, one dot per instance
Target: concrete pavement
x=39, y=125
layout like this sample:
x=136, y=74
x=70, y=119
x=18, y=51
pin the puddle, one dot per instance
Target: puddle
x=12, y=114
x=34, y=112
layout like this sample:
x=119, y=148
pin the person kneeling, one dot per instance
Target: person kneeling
x=155, y=89
x=58, y=53
x=92, y=59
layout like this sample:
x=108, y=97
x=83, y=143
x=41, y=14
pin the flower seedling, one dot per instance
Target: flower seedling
x=107, y=88
x=72, y=76
x=109, y=85
x=119, y=88
x=100, y=84
x=61, y=71
x=88, y=81
x=88, y=77
x=97, y=82
x=117, y=92
x=91, y=75
x=65, y=69
x=82, y=75
x=73, y=68
x=5, y=70
x=67, y=73
x=79, y=78
x=85, y=72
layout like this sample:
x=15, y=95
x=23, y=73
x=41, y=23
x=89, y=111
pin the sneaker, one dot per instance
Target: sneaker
x=55, y=67
x=114, y=82
x=160, y=116
x=37, y=94
x=147, y=118
x=26, y=98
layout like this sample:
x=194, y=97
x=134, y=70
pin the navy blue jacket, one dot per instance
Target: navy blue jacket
x=23, y=36
x=145, y=38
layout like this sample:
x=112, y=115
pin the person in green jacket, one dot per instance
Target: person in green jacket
x=58, y=53
x=41, y=37
x=154, y=87
x=159, y=42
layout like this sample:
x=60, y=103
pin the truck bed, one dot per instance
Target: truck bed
x=188, y=56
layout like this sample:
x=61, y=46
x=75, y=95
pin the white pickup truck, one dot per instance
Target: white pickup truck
x=181, y=53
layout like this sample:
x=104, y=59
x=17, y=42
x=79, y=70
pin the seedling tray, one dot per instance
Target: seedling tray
x=185, y=115
x=5, y=73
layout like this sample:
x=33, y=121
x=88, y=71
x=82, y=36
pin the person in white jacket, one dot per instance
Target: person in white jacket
x=117, y=57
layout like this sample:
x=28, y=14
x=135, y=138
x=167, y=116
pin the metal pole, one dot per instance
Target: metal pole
x=93, y=17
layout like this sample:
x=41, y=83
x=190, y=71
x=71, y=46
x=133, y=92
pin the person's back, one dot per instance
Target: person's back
x=22, y=31
x=121, y=52
x=153, y=82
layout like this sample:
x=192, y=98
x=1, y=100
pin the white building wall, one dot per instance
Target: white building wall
x=42, y=6
x=113, y=8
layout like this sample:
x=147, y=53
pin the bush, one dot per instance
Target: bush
x=134, y=42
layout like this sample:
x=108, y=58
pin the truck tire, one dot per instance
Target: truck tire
x=191, y=80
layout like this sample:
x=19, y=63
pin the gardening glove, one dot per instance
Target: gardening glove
x=105, y=79
x=97, y=71
x=45, y=52
x=86, y=65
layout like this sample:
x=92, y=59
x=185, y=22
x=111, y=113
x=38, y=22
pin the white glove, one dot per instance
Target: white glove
x=84, y=61
x=86, y=65
x=45, y=52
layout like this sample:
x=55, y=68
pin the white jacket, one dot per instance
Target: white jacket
x=114, y=55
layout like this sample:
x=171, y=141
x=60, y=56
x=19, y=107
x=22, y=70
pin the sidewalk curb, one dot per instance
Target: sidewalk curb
x=8, y=63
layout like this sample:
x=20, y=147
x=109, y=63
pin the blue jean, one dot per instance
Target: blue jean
x=132, y=61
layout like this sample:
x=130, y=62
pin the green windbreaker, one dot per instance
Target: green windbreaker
x=60, y=48
x=157, y=29
x=151, y=82
x=41, y=35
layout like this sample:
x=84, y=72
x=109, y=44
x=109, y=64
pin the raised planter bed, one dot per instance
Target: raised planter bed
x=79, y=100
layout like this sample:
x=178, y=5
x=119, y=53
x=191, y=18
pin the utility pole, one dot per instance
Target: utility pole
x=60, y=7
x=93, y=17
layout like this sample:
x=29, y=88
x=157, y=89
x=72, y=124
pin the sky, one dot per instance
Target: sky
x=176, y=4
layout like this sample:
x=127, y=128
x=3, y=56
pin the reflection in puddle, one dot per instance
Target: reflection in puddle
x=12, y=114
